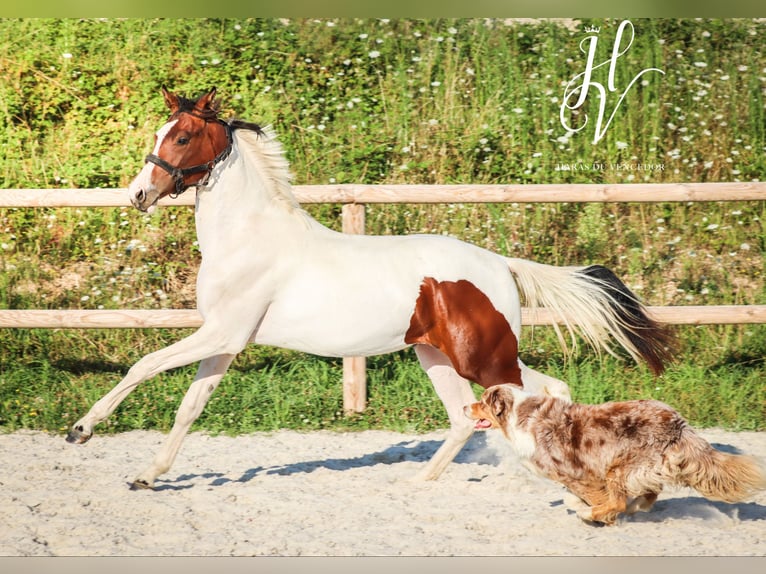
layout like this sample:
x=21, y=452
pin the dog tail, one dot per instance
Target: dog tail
x=594, y=302
x=716, y=475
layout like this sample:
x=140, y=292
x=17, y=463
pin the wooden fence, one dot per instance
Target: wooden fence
x=354, y=197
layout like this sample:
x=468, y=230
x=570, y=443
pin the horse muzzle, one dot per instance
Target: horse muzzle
x=143, y=199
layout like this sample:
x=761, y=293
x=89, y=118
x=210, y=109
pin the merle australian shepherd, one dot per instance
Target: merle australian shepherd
x=614, y=457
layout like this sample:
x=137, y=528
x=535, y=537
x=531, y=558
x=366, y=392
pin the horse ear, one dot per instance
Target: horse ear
x=205, y=103
x=171, y=100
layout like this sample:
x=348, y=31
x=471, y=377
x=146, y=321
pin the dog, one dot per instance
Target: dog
x=611, y=453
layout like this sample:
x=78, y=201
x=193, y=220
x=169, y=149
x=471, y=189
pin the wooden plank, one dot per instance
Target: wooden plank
x=405, y=193
x=354, y=368
x=354, y=384
x=676, y=315
x=190, y=318
x=353, y=218
x=532, y=193
x=100, y=319
x=710, y=315
x=75, y=198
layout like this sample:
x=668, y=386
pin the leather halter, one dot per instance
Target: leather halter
x=178, y=174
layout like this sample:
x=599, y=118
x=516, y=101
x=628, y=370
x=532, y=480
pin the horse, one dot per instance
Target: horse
x=270, y=274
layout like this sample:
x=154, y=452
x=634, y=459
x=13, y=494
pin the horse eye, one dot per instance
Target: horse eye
x=182, y=141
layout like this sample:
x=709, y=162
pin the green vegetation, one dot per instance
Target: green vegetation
x=377, y=101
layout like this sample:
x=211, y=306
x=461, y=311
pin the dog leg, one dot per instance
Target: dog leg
x=600, y=501
x=612, y=498
x=590, y=497
x=642, y=503
x=584, y=498
x=604, y=513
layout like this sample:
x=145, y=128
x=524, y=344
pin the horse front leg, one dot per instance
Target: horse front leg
x=199, y=345
x=210, y=373
x=455, y=392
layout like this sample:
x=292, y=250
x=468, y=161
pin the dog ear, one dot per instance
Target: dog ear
x=497, y=401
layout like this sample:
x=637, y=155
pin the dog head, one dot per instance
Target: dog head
x=494, y=408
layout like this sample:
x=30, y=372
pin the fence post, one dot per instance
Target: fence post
x=354, y=368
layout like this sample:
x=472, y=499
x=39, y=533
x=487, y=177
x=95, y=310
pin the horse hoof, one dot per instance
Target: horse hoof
x=78, y=435
x=423, y=476
x=140, y=484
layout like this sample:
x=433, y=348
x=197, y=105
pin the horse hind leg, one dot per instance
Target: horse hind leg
x=209, y=375
x=539, y=383
x=455, y=392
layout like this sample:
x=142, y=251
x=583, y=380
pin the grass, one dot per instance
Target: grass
x=268, y=389
x=377, y=101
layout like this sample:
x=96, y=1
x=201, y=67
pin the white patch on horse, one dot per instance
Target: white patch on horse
x=143, y=181
x=162, y=134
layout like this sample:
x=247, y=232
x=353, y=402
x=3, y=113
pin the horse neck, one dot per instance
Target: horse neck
x=244, y=198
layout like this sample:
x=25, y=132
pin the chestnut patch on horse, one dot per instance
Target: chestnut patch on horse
x=459, y=319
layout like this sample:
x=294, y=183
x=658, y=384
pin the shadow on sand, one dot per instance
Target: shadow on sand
x=475, y=451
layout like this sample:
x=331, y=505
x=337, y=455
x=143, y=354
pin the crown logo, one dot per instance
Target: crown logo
x=592, y=29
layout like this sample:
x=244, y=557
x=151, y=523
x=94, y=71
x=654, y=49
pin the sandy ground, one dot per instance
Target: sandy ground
x=333, y=494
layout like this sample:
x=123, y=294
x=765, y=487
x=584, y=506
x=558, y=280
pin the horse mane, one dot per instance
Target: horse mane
x=256, y=141
x=187, y=105
x=243, y=125
x=261, y=143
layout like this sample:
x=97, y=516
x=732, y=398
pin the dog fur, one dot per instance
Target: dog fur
x=607, y=454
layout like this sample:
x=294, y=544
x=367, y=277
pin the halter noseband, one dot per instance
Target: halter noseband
x=178, y=174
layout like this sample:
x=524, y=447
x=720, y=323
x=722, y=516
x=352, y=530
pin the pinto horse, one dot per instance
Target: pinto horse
x=272, y=275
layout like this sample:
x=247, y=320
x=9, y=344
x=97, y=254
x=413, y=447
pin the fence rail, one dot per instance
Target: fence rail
x=411, y=193
x=190, y=318
x=354, y=197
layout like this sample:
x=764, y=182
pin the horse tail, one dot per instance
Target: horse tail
x=716, y=475
x=593, y=302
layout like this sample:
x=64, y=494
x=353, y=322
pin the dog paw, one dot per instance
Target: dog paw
x=642, y=503
x=585, y=514
x=574, y=502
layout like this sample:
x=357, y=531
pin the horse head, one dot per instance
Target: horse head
x=186, y=150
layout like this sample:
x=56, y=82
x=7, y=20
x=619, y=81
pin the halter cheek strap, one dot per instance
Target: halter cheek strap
x=178, y=174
